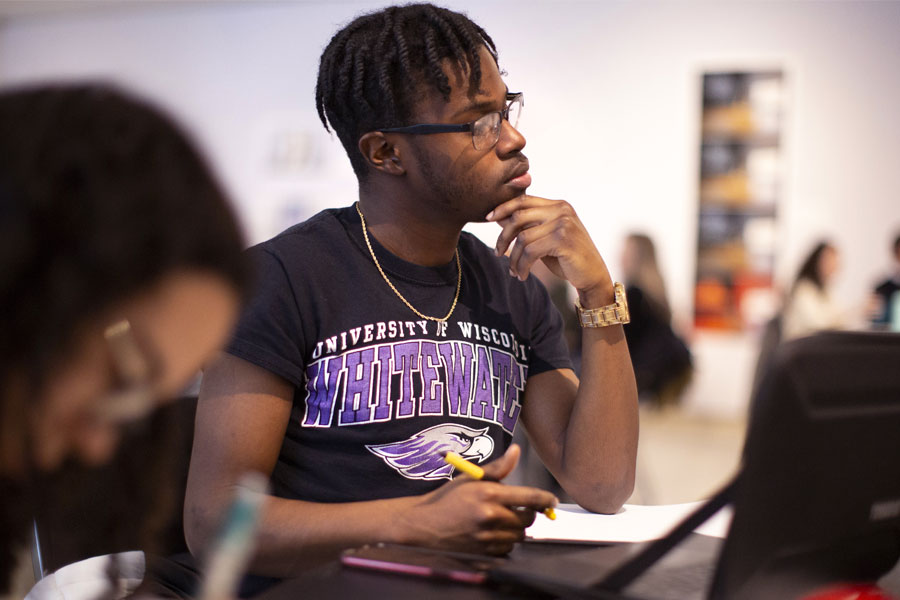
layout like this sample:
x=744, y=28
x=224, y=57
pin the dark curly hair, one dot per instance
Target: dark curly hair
x=372, y=70
x=101, y=195
x=809, y=270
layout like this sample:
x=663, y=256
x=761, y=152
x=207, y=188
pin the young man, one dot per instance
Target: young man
x=381, y=335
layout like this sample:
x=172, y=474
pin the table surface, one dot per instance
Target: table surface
x=337, y=581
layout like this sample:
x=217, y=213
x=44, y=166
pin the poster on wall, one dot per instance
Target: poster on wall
x=741, y=176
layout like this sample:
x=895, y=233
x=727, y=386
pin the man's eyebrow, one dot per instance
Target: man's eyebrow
x=483, y=106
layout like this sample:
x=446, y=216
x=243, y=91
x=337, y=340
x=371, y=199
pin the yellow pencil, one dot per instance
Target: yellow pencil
x=476, y=472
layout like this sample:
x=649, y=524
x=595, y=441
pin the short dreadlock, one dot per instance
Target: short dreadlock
x=372, y=69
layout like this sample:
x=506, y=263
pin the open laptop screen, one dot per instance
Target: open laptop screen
x=818, y=497
x=817, y=500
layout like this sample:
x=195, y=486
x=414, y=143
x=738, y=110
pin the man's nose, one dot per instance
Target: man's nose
x=511, y=139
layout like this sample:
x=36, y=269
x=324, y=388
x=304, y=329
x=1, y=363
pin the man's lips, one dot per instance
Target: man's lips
x=520, y=176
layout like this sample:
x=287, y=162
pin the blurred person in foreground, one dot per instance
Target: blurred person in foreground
x=120, y=275
x=886, y=314
x=661, y=359
x=810, y=306
x=382, y=334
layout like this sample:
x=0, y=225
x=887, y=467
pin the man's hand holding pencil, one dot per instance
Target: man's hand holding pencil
x=474, y=514
x=476, y=472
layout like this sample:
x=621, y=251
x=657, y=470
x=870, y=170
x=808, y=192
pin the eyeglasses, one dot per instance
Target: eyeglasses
x=485, y=131
x=136, y=395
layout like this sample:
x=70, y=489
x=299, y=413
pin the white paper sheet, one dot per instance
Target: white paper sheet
x=633, y=523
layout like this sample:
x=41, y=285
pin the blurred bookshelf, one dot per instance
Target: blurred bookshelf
x=740, y=188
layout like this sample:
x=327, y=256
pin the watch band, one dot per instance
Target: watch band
x=611, y=314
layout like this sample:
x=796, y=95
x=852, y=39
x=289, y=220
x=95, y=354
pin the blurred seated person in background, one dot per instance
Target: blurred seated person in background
x=563, y=295
x=810, y=307
x=120, y=274
x=661, y=359
x=887, y=292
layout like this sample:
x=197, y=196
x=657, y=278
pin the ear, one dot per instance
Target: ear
x=380, y=153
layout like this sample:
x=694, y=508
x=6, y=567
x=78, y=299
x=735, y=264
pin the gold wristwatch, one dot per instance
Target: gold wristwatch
x=611, y=314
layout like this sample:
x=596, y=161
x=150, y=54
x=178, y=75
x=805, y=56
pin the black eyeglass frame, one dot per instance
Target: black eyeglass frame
x=429, y=128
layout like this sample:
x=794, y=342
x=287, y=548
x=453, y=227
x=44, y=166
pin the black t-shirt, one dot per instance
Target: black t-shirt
x=380, y=392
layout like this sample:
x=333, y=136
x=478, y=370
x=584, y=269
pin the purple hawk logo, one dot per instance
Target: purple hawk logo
x=421, y=456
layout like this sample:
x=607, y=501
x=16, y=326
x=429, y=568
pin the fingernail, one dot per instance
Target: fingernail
x=489, y=215
x=511, y=274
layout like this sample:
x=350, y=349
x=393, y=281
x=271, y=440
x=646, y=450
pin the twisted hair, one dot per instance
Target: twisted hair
x=373, y=69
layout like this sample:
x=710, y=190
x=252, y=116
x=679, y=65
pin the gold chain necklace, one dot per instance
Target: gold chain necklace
x=396, y=291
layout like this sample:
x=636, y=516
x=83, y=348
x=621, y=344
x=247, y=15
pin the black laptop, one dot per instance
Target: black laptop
x=816, y=502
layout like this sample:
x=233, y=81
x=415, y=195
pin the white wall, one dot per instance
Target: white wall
x=612, y=92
